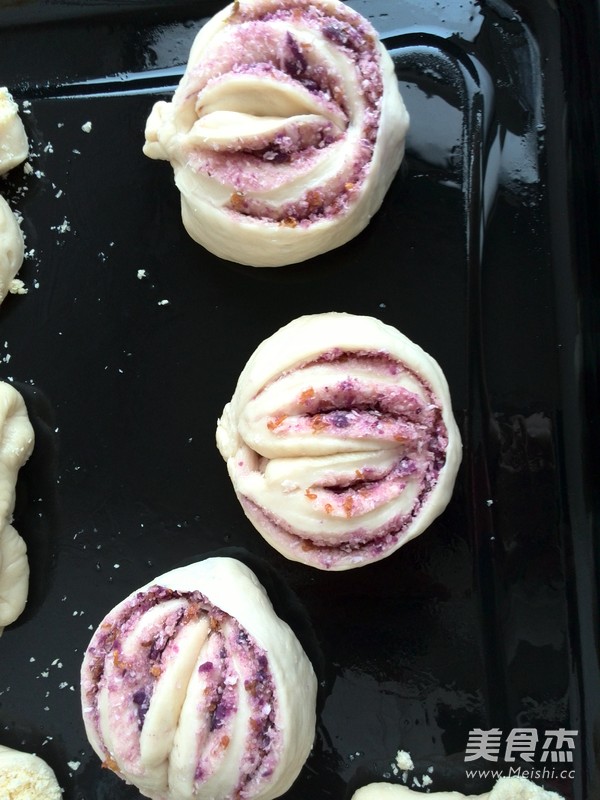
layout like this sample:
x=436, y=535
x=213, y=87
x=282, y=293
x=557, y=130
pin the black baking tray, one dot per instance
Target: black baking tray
x=485, y=252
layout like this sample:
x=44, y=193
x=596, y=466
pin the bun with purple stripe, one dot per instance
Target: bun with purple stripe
x=193, y=688
x=340, y=440
x=285, y=131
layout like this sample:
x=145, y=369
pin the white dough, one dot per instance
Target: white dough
x=14, y=146
x=16, y=445
x=162, y=759
x=215, y=109
x=288, y=481
x=24, y=776
x=12, y=248
x=394, y=791
x=507, y=788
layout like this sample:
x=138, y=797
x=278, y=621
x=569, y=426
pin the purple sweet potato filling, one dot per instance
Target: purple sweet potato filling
x=141, y=698
x=360, y=545
x=234, y=646
x=360, y=404
x=252, y=45
x=353, y=407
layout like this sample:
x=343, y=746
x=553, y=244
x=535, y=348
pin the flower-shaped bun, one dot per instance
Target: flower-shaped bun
x=340, y=440
x=194, y=689
x=285, y=132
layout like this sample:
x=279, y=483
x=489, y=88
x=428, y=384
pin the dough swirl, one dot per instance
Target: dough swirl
x=285, y=132
x=340, y=440
x=192, y=687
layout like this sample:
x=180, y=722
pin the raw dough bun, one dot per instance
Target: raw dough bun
x=340, y=440
x=516, y=788
x=285, y=132
x=394, y=791
x=507, y=788
x=16, y=445
x=24, y=776
x=12, y=248
x=14, y=146
x=193, y=688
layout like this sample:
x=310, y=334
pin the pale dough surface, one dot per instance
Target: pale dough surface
x=275, y=472
x=233, y=587
x=16, y=445
x=24, y=776
x=507, y=788
x=12, y=248
x=14, y=146
x=174, y=129
x=168, y=742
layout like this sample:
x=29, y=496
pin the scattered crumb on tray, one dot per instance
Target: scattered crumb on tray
x=403, y=761
x=17, y=287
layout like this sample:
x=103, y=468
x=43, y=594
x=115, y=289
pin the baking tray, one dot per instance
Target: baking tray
x=485, y=252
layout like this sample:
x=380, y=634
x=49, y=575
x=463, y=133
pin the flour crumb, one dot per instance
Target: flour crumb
x=17, y=287
x=64, y=226
x=402, y=765
x=403, y=761
x=141, y=273
x=86, y=127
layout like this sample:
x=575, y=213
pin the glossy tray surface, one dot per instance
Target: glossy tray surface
x=484, y=252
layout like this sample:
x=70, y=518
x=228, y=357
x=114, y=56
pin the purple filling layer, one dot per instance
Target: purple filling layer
x=360, y=407
x=253, y=45
x=137, y=676
x=362, y=545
